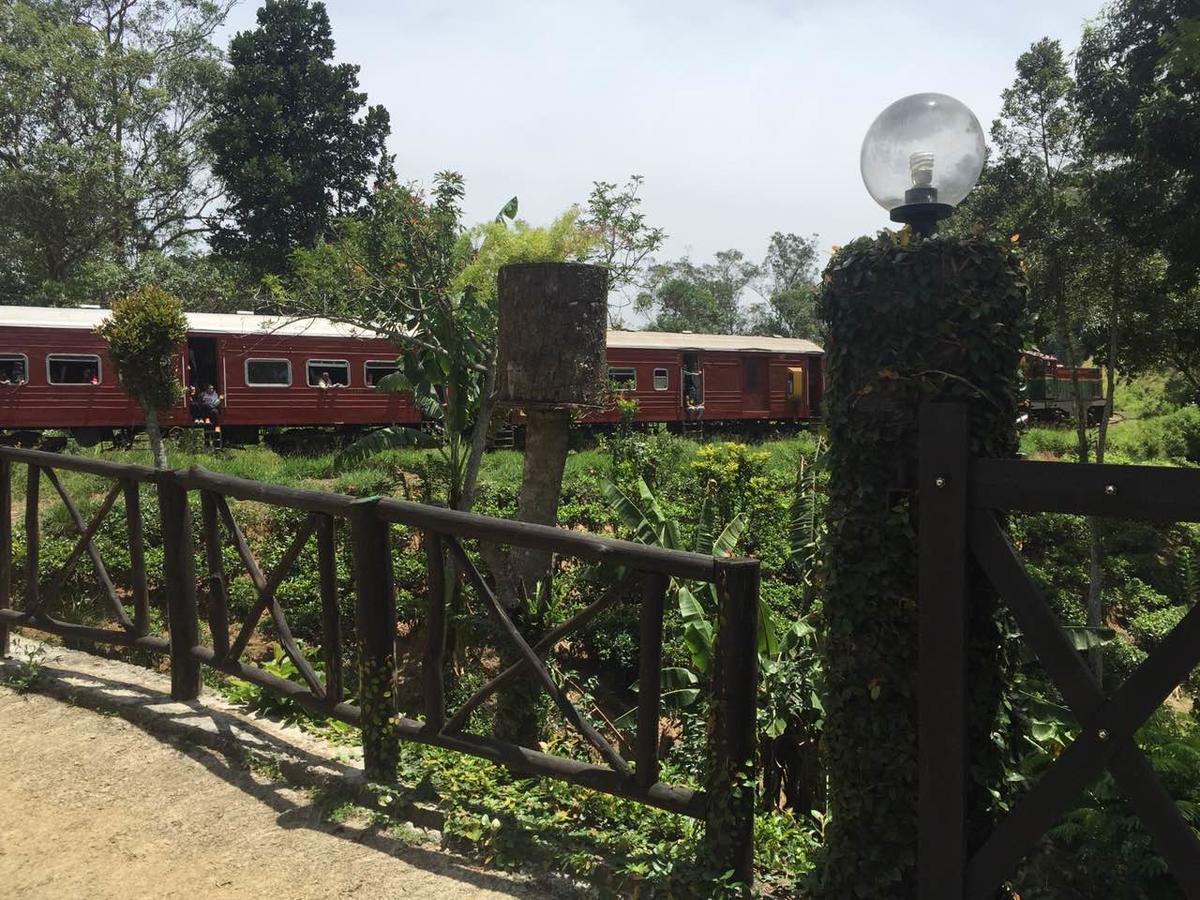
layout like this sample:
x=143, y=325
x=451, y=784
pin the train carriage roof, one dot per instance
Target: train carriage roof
x=201, y=323
x=226, y=323
x=747, y=343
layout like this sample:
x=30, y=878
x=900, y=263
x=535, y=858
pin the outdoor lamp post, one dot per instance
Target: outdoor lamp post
x=920, y=157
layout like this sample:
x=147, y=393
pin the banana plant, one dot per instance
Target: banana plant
x=696, y=601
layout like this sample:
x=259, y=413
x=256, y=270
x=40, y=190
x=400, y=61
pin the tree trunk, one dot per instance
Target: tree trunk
x=1095, y=601
x=157, y=449
x=547, y=432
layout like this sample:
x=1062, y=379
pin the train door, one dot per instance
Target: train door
x=691, y=386
x=202, y=363
x=755, y=385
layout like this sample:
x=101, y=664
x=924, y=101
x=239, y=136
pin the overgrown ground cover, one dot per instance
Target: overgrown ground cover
x=764, y=499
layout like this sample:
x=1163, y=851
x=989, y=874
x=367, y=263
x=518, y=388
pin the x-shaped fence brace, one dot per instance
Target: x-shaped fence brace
x=215, y=507
x=1109, y=725
x=533, y=661
x=39, y=603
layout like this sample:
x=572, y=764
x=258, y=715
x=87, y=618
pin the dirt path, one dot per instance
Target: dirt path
x=94, y=806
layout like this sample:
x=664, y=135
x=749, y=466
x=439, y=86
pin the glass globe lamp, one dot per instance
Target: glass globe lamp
x=921, y=157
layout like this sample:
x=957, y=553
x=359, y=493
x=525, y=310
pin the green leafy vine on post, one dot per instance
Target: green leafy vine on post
x=909, y=321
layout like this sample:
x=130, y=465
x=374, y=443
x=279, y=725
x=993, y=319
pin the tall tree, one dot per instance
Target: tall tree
x=1138, y=90
x=291, y=143
x=144, y=334
x=705, y=298
x=103, y=104
x=1138, y=73
x=790, y=289
x=621, y=239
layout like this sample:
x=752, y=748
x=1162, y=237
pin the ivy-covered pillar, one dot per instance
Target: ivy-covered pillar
x=909, y=321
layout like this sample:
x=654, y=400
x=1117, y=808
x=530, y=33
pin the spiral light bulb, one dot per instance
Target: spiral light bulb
x=920, y=165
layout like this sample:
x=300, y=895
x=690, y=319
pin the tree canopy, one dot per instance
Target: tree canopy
x=290, y=140
x=103, y=107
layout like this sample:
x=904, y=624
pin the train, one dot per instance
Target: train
x=1050, y=386
x=291, y=376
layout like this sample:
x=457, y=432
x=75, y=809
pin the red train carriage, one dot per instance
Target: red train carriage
x=269, y=372
x=714, y=377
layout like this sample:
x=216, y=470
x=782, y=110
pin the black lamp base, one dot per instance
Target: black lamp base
x=922, y=218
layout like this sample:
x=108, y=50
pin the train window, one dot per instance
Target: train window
x=328, y=373
x=660, y=379
x=14, y=368
x=73, y=368
x=623, y=379
x=268, y=373
x=375, y=370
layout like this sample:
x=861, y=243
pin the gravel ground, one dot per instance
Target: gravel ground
x=93, y=805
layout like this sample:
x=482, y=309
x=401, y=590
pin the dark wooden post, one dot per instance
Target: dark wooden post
x=375, y=622
x=137, y=557
x=434, y=674
x=331, y=622
x=729, y=817
x=179, y=579
x=218, y=602
x=5, y=547
x=942, y=748
x=33, y=481
x=654, y=590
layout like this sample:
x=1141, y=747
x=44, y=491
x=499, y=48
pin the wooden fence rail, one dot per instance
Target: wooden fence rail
x=734, y=688
x=959, y=499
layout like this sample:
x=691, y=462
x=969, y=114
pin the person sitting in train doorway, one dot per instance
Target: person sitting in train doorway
x=193, y=404
x=210, y=406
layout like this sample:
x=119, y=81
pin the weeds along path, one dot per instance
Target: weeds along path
x=94, y=806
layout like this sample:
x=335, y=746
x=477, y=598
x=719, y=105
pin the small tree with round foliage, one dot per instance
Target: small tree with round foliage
x=144, y=333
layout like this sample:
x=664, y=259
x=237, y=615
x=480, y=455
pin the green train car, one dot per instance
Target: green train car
x=1049, y=393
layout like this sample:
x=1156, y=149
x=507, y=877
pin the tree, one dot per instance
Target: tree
x=103, y=104
x=288, y=140
x=144, y=333
x=684, y=296
x=1139, y=97
x=790, y=309
x=621, y=240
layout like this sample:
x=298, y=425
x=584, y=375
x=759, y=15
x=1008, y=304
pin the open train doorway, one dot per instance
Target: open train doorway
x=692, y=386
x=202, y=363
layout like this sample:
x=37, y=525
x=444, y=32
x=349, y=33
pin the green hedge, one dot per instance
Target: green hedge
x=937, y=319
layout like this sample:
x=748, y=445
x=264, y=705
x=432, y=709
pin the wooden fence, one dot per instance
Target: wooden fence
x=959, y=499
x=726, y=803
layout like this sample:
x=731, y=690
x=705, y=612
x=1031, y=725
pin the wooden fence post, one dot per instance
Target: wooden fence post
x=654, y=592
x=137, y=557
x=179, y=579
x=942, y=650
x=33, y=520
x=433, y=675
x=729, y=817
x=375, y=622
x=218, y=600
x=331, y=622
x=5, y=547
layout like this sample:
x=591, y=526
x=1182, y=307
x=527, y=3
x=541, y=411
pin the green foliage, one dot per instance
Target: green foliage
x=1149, y=628
x=1100, y=849
x=143, y=334
x=909, y=321
x=287, y=140
x=102, y=111
x=684, y=296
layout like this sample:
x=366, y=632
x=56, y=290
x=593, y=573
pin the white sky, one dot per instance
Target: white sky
x=744, y=117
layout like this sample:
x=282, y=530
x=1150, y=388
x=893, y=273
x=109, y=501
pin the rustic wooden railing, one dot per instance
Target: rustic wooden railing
x=726, y=803
x=959, y=499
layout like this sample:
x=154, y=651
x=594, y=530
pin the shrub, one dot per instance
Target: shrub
x=1151, y=627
